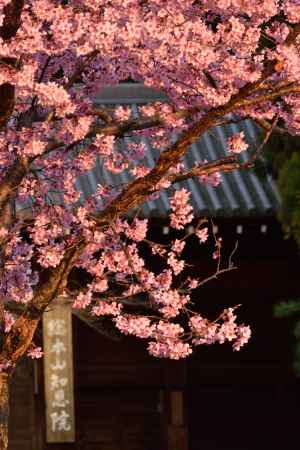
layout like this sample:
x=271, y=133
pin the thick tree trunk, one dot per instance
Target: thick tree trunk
x=4, y=410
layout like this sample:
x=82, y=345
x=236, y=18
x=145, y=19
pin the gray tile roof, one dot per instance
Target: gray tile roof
x=241, y=193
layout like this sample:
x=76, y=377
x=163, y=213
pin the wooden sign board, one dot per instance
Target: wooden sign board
x=58, y=373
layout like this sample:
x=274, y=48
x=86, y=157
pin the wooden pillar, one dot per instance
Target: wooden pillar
x=175, y=407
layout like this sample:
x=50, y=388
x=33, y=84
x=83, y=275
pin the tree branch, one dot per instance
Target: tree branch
x=293, y=34
x=12, y=19
x=81, y=68
x=11, y=22
x=227, y=164
x=7, y=96
x=136, y=192
x=265, y=125
x=19, y=338
x=12, y=179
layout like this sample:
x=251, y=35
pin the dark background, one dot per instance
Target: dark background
x=247, y=400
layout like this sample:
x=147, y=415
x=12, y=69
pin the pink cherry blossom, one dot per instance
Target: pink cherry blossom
x=211, y=180
x=178, y=246
x=176, y=264
x=8, y=321
x=181, y=209
x=3, y=232
x=122, y=113
x=35, y=352
x=165, y=330
x=104, y=308
x=137, y=326
x=202, y=234
x=139, y=171
x=171, y=349
x=4, y=366
x=236, y=143
x=137, y=230
x=211, y=67
x=82, y=300
x=164, y=280
x=193, y=284
x=243, y=336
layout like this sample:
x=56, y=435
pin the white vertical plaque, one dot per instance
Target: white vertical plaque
x=58, y=373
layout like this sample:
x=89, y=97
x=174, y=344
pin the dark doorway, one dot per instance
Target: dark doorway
x=119, y=419
x=244, y=417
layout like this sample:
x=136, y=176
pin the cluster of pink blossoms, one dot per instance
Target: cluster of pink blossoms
x=137, y=326
x=236, y=143
x=107, y=309
x=292, y=10
x=170, y=302
x=202, y=235
x=169, y=337
x=82, y=300
x=200, y=54
x=206, y=332
x=122, y=113
x=8, y=321
x=176, y=265
x=211, y=180
x=35, y=352
x=137, y=230
x=181, y=209
x=167, y=343
x=169, y=349
x=17, y=277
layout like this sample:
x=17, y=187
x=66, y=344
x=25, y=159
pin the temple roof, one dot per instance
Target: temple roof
x=241, y=194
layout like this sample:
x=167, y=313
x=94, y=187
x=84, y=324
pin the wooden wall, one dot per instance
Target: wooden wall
x=236, y=401
x=22, y=422
x=118, y=390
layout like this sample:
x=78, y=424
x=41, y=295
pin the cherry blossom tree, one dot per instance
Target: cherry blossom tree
x=219, y=61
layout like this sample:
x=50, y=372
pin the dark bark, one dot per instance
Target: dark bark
x=4, y=410
x=18, y=340
x=12, y=179
x=11, y=22
x=7, y=103
x=12, y=19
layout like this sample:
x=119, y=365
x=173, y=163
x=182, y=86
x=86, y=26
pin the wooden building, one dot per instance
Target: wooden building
x=217, y=399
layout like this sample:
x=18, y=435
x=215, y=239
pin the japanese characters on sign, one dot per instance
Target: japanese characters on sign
x=58, y=369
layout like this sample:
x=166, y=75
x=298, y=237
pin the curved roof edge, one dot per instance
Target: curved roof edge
x=129, y=93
